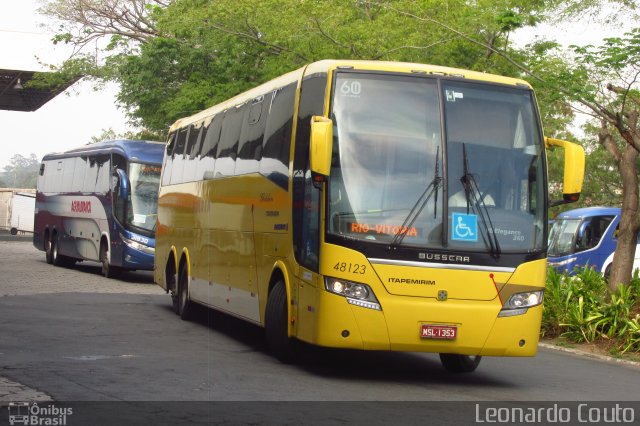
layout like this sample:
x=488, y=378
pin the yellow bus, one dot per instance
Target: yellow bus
x=366, y=205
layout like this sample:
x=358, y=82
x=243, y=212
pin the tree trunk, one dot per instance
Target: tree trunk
x=622, y=267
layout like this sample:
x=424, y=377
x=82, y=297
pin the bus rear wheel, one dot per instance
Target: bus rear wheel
x=108, y=270
x=455, y=363
x=48, y=252
x=185, y=305
x=277, y=324
x=56, y=258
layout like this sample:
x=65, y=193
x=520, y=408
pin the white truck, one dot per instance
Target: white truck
x=17, y=209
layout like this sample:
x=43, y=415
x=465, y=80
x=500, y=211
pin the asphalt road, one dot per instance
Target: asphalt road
x=74, y=336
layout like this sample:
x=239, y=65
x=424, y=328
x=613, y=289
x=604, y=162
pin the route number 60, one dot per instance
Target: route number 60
x=350, y=88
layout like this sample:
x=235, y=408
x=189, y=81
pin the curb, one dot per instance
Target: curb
x=585, y=354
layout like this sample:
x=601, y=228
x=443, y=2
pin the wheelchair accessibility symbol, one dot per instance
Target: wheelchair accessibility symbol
x=465, y=227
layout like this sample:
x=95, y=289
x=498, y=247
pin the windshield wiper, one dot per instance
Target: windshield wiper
x=419, y=205
x=472, y=194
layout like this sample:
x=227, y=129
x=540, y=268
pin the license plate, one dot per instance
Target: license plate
x=444, y=332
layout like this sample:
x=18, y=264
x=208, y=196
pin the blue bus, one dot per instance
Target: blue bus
x=585, y=236
x=99, y=203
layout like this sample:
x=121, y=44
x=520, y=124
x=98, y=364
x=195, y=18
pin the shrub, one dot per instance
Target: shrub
x=580, y=308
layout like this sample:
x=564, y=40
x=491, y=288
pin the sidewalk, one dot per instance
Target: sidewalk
x=16, y=392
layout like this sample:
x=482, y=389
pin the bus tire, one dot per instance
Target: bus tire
x=185, y=305
x=175, y=302
x=277, y=324
x=56, y=258
x=48, y=249
x=455, y=363
x=14, y=231
x=108, y=270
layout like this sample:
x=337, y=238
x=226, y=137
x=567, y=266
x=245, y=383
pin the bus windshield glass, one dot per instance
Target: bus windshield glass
x=404, y=145
x=562, y=236
x=144, y=180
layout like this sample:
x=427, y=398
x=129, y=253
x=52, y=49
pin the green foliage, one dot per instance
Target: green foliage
x=22, y=172
x=202, y=52
x=581, y=309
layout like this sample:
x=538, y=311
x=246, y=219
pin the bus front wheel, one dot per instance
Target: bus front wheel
x=455, y=363
x=277, y=324
x=108, y=270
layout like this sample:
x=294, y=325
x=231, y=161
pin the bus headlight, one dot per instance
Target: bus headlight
x=356, y=293
x=138, y=246
x=519, y=303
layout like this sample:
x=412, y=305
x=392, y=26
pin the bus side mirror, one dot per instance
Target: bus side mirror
x=321, y=145
x=573, y=170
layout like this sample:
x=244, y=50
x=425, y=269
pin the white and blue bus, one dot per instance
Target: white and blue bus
x=586, y=237
x=99, y=203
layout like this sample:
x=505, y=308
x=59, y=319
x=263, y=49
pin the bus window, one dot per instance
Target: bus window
x=142, y=209
x=193, y=139
x=228, y=146
x=178, y=156
x=68, y=167
x=210, y=140
x=91, y=175
x=168, y=159
x=250, y=146
x=591, y=231
x=78, y=174
x=383, y=160
x=103, y=180
x=277, y=138
x=195, y=151
x=306, y=198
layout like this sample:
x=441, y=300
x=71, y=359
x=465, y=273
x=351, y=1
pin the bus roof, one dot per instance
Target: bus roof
x=327, y=65
x=588, y=212
x=136, y=150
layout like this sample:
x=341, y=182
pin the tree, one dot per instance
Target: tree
x=194, y=53
x=610, y=91
x=22, y=172
x=84, y=21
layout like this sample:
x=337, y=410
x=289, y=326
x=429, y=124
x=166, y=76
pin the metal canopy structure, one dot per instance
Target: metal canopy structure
x=15, y=96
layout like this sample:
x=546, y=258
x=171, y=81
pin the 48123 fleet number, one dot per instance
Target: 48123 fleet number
x=354, y=268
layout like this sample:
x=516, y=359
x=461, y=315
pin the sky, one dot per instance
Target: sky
x=67, y=121
x=72, y=119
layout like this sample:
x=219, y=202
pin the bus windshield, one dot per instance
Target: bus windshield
x=562, y=236
x=404, y=145
x=144, y=180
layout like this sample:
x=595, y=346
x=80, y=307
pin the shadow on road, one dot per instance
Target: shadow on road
x=374, y=366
